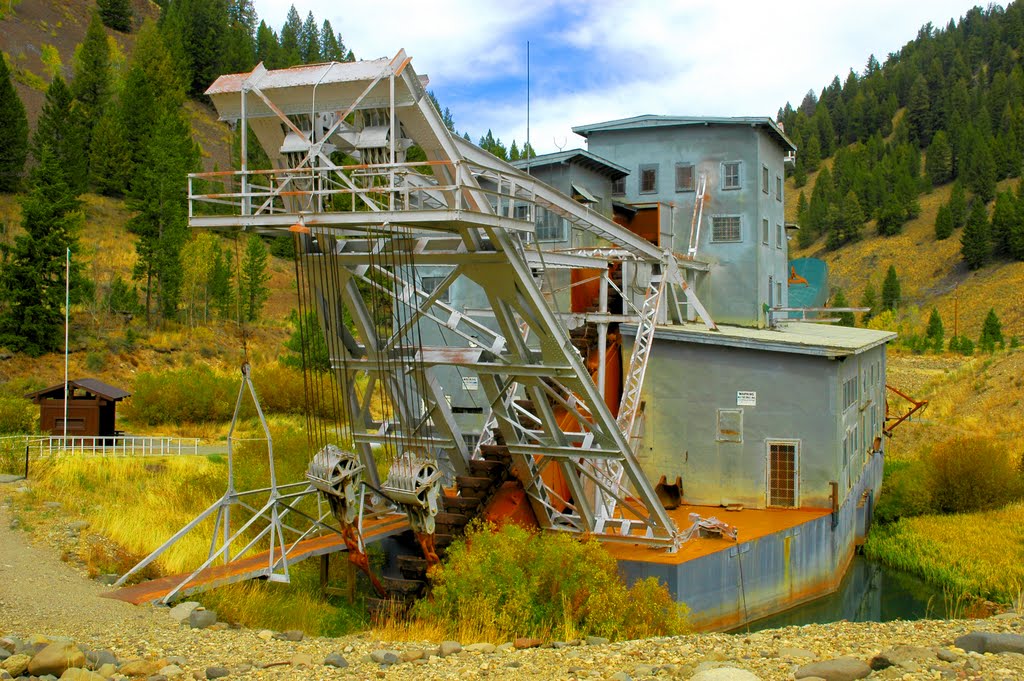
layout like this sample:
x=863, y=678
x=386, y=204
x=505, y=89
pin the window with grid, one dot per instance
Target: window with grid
x=619, y=186
x=782, y=472
x=549, y=226
x=731, y=175
x=779, y=236
x=648, y=179
x=725, y=228
x=429, y=284
x=684, y=177
x=764, y=179
x=778, y=187
x=764, y=231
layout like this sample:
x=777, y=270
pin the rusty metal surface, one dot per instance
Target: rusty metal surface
x=254, y=566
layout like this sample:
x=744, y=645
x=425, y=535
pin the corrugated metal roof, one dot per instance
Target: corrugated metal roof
x=91, y=384
x=580, y=156
x=305, y=75
x=801, y=338
x=652, y=121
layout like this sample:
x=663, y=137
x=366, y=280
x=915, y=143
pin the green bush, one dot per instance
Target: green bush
x=525, y=583
x=971, y=474
x=17, y=415
x=905, y=492
x=192, y=395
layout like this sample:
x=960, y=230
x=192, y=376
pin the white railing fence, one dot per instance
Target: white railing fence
x=50, y=446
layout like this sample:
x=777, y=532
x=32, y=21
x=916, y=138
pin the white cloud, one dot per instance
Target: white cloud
x=618, y=59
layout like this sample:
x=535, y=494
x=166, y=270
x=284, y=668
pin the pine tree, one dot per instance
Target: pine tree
x=991, y=332
x=821, y=198
x=891, y=290
x=268, y=49
x=222, y=275
x=309, y=41
x=851, y=217
x=13, y=132
x=839, y=300
x=32, y=278
x=976, y=240
x=1004, y=217
x=958, y=205
x=110, y=162
x=59, y=129
x=943, y=223
x=253, y=278
x=240, y=39
x=1017, y=231
x=195, y=32
x=980, y=173
x=116, y=14
x=870, y=301
x=812, y=155
x=939, y=162
x=290, y=36
x=92, y=84
x=919, y=114
x=332, y=47
x=307, y=344
x=158, y=196
x=935, y=332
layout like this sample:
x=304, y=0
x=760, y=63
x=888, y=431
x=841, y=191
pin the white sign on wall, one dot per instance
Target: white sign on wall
x=470, y=382
x=746, y=398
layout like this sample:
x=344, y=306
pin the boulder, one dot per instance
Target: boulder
x=725, y=674
x=523, y=643
x=55, y=659
x=94, y=659
x=620, y=676
x=905, y=657
x=266, y=634
x=449, y=648
x=181, y=611
x=485, y=648
x=988, y=642
x=415, y=654
x=217, y=672
x=144, y=668
x=201, y=618
x=291, y=635
x=16, y=664
x=107, y=670
x=839, y=669
x=385, y=656
x=171, y=671
x=80, y=674
x=335, y=660
x=597, y=641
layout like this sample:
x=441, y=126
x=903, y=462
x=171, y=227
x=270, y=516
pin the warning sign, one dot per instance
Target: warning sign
x=746, y=398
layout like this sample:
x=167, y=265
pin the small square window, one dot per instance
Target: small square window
x=731, y=175
x=725, y=228
x=684, y=177
x=730, y=425
x=764, y=179
x=619, y=186
x=549, y=226
x=648, y=179
x=779, y=236
x=778, y=187
x=764, y=231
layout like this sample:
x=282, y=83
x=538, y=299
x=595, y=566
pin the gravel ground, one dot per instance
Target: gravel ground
x=41, y=595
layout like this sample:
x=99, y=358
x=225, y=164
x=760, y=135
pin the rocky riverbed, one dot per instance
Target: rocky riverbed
x=55, y=624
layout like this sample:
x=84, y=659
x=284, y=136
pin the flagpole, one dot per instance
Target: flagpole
x=67, y=310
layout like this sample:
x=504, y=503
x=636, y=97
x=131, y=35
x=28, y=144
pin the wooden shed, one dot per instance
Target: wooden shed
x=91, y=409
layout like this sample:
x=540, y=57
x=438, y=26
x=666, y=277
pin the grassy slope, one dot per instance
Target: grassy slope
x=931, y=272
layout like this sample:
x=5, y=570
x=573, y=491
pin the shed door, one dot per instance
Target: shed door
x=783, y=469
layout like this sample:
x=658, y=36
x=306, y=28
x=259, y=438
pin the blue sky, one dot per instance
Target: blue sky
x=602, y=60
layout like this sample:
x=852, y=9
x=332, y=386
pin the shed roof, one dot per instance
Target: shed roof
x=652, y=121
x=802, y=338
x=581, y=157
x=93, y=385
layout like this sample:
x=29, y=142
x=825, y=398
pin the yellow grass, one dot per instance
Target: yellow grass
x=981, y=554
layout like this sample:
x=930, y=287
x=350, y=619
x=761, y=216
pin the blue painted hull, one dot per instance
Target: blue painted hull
x=753, y=579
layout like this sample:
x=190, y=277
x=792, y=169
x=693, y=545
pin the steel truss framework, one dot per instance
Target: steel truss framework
x=367, y=223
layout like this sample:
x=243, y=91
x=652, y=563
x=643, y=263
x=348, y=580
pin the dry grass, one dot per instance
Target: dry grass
x=981, y=554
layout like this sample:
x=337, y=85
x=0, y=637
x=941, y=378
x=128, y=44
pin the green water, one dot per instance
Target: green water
x=870, y=592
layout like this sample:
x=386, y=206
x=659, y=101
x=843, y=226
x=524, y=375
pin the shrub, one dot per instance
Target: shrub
x=524, y=583
x=195, y=394
x=17, y=415
x=971, y=474
x=904, y=492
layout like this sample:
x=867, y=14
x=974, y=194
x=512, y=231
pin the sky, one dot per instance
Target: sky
x=599, y=60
